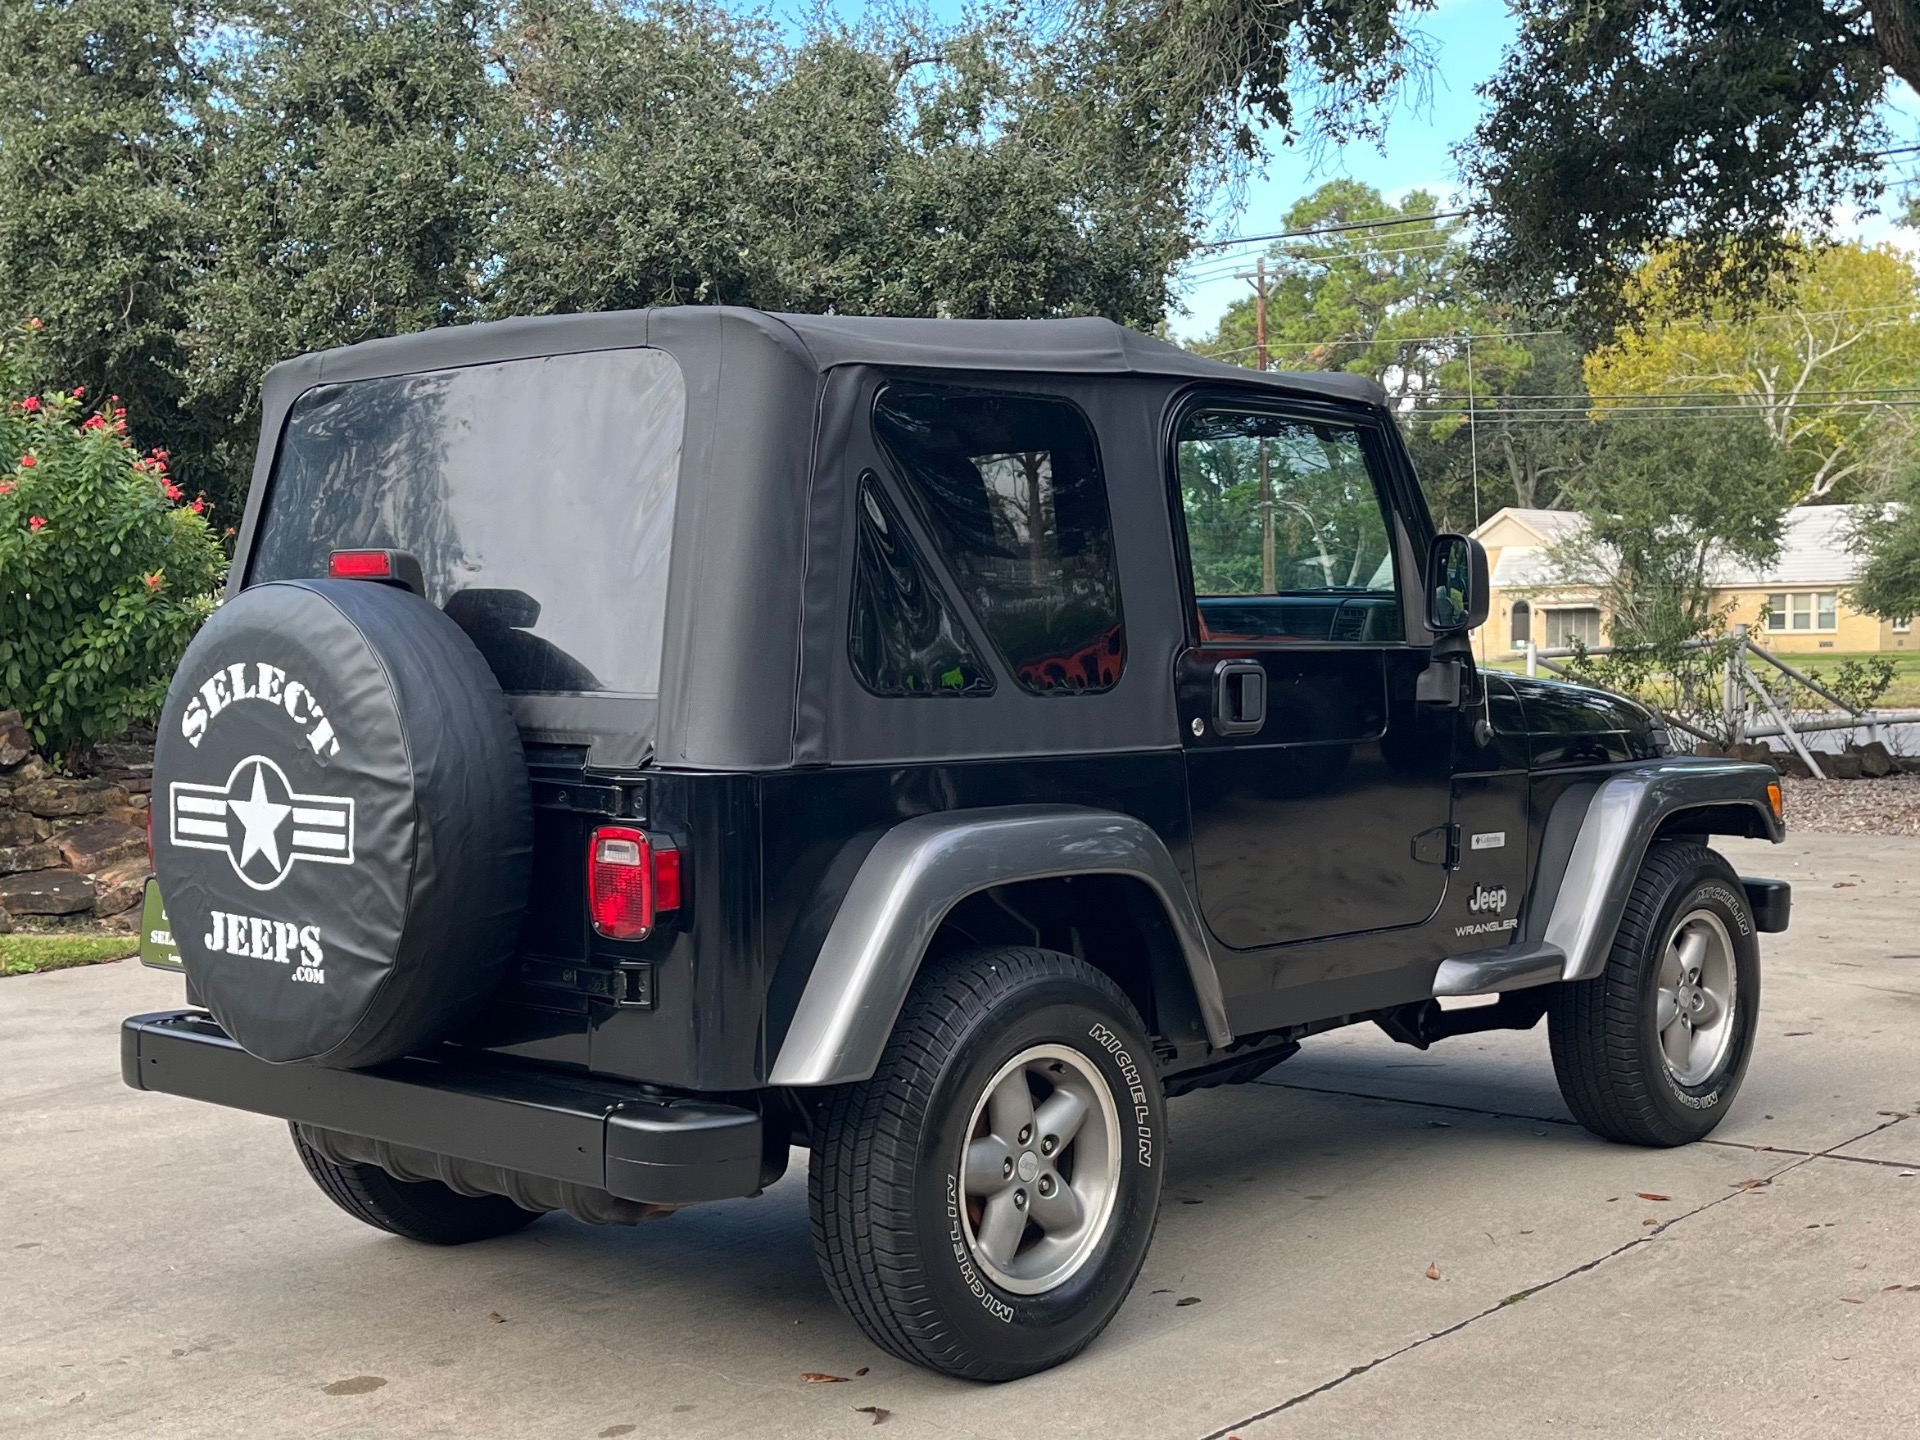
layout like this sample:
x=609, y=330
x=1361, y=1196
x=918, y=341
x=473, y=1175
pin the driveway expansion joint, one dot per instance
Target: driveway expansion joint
x=1226, y=1432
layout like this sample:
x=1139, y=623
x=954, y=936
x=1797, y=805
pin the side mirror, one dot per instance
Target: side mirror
x=1456, y=584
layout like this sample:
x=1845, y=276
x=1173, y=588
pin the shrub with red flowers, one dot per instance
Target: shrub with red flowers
x=105, y=569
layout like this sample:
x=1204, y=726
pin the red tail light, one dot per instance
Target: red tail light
x=629, y=882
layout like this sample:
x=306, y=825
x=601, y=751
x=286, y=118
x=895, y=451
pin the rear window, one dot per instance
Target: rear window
x=537, y=495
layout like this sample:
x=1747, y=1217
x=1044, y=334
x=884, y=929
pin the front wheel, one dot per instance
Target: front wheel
x=982, y=1205
x=1652, y=1050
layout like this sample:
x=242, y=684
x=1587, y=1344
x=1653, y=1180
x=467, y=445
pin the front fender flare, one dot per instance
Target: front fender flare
x=1622, y=817
x=921, y=869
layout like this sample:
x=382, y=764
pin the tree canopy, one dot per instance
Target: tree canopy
x=1828, y=363
x=1400, y=301
x=1614, y=127
x=189, y=196
x=1722, y=128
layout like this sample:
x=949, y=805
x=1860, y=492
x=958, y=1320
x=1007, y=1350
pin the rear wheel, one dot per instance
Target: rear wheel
x=1653, y=1050
x=982, y=1205
x=427, y=1211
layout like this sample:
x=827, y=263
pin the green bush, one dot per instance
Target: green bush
x=106, y=570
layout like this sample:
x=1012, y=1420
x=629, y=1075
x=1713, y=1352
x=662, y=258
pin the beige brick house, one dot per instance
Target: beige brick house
x=1798, y=603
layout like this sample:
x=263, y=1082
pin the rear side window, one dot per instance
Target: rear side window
x=537, y=494
x=1011, y=487
x=904, y=639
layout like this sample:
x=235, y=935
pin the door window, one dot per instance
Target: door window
x=1011, y=487
x=1286, y=534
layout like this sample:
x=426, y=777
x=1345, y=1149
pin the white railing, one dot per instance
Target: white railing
x=1744, y=698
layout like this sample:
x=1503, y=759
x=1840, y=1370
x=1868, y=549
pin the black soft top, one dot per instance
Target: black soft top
x=768, y=445
x=1079, y=345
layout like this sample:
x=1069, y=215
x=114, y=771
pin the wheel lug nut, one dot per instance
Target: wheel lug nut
x=1026, y=1133
x=1019, y=1199
x=1006, y=1169
x=1049, y=1145
x=1046, y=1186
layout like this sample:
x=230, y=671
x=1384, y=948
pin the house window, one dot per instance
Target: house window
x=1803, y=610
x=1522, y=623
x=1903, y=625
x=1566, y=628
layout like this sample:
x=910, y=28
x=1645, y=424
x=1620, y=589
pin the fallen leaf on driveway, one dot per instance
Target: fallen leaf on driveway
x=1649, y=1195
x=1649, y=1221
x=878, y=1412
x=358, y=1385
x=1750, y=1184
x=1188, y=1300
x=496, y=1317
x=1433, y=1270
x=861, y=1371
x=1844, y=884
x=1849, y=1300
x=815, y=1377
x=1792, y=1033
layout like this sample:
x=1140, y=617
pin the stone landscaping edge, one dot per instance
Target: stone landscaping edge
x=73, y=851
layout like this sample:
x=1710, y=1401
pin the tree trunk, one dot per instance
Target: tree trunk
x=1896, y=37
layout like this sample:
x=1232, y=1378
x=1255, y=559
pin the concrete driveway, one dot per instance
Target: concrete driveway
x=166, y=1269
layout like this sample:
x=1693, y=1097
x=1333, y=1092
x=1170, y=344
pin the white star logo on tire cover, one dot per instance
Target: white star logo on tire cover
x=245, y=817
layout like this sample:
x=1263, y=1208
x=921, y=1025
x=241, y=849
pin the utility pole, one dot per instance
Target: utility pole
x=1473, y=434
x=1269, y=579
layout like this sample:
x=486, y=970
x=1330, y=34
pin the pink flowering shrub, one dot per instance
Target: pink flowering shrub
x=106, y=569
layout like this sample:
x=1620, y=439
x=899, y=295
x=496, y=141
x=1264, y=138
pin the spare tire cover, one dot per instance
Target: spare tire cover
x=342, y=826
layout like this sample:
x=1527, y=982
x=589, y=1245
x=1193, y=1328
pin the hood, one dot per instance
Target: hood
x=1579, y=725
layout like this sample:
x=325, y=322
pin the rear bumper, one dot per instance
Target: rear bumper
x=603, y=1135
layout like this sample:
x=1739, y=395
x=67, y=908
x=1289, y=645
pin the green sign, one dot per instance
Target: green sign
x=156, y=934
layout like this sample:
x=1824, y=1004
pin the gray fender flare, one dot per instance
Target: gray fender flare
x=917, y=872
x=1621, y=818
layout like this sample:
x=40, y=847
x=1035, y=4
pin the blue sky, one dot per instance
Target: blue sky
x=1465, y=39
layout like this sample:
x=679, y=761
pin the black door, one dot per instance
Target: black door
x=1319, y=793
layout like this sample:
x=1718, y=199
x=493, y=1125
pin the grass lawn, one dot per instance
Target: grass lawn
x=1903, y=694
x=25, y=954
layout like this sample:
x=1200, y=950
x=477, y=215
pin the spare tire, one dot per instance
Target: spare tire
x=342, y=825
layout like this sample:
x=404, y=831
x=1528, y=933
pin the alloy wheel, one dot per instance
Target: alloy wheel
x=1041, y=1166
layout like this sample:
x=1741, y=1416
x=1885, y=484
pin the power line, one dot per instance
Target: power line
x=1331, y=229
x=1230, y=241
x=1787, y=318
x=1558, y=414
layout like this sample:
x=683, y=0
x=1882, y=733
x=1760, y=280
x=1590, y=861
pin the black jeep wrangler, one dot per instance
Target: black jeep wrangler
x=636, y=744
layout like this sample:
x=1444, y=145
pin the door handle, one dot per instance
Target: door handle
x=1239, y=697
